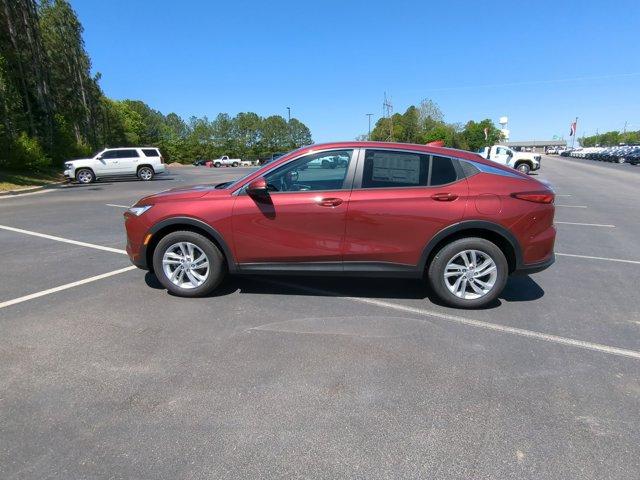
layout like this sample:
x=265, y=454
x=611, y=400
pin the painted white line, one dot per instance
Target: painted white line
x=571, y=206
x=588, y=257
x=116, y=205
x=563, y=195
x=587, y=224
x=67, y=286
x=598, y=347
x=65, y=240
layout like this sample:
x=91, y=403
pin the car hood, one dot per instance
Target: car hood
x=79, y=160
x=182, y=193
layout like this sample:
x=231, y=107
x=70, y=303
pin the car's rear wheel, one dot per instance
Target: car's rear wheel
x=145, y=173
x=217, y=164
x=188, y=264
x=85, y=176
x=524, y=168
x=468, y=273
x=234, y=164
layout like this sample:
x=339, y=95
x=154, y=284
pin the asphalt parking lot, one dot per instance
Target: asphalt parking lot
x=284, y=377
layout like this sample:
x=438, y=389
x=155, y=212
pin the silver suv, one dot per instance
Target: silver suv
x=143, y=162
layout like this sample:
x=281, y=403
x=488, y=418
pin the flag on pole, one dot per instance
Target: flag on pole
x=486, y=133
x=572, y=132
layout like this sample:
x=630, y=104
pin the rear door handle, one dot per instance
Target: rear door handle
x=329, y=202
x=444, y=197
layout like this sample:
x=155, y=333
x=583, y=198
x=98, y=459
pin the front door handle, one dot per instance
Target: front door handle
x=444, y=197
x=329, y=202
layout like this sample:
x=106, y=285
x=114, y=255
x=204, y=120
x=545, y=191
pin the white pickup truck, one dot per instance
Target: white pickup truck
x=524, y=162
x=225, y=161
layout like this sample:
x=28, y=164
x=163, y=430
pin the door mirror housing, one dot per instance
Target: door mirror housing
x=257, y=188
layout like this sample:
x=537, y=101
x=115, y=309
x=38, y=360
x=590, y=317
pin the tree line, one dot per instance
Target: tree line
x=425, y=123
x=52, y=108
x=612, y=138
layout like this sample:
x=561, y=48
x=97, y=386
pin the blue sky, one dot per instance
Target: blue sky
x=541, y=63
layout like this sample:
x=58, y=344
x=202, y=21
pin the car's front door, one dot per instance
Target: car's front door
x=400, y=200
x=502, y=155
x=302, y=220
x=108, y=163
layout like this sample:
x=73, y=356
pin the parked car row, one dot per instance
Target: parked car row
x=224, y=161
x=619, y=154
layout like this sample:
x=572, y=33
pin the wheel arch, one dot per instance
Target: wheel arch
x=145, y=165
x=163, y=228
x=493, y=232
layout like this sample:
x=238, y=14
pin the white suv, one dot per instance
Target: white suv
x=142, y=162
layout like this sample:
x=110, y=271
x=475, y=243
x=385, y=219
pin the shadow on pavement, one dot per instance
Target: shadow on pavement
x=518, y=289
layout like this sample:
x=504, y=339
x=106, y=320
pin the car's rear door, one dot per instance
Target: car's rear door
x=302, y=220
x=128, y=161
x=400, y=200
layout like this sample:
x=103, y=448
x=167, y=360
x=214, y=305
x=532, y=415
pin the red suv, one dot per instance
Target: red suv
x=353, y=208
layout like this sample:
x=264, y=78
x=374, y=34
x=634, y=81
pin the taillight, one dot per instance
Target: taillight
x=536, y=197
x=161, y=159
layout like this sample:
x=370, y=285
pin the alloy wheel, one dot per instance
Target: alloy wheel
x=470, y=274
x=85, y=176
x=185, y=265
x=145, y=174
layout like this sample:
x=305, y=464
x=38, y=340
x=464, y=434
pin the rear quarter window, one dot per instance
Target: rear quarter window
x=150, y=152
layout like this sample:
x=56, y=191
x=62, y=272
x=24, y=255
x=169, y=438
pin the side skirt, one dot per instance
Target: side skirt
x=369, y=269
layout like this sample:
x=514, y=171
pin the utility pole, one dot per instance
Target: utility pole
x=387, y=108
x=369, y=135
x=289, y=114
x=624, y=133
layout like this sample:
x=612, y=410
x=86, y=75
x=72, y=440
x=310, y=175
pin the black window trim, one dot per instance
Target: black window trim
x=357, y=184
x=348, y=183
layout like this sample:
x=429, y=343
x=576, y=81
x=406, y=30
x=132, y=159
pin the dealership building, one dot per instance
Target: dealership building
x=536, y=145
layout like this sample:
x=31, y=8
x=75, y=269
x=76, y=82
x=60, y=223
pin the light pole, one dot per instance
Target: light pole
x=369, y=135
x=289, y=114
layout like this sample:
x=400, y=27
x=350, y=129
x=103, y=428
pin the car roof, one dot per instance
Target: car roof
x=445, y=151
x=129, y=148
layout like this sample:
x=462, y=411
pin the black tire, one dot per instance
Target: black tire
x=217, y=264
x=85, y=176
x=524, y=168
x=234, y=164
x=217, y=164
x=145, y=173
x=436, y=271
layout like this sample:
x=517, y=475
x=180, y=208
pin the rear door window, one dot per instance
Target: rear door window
x=385, y=168
x=443, y=171
x=127, y=153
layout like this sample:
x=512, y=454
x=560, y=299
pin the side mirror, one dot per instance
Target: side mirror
x=257, y=188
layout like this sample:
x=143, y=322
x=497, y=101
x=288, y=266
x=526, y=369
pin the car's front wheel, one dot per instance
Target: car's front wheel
x=85, y=176
x=188, y=264
x=468, y=273
x=524, y=168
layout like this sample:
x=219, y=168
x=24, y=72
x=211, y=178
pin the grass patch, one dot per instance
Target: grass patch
x=13, y=180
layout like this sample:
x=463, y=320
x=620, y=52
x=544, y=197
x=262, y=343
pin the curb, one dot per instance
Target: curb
x=20, y=191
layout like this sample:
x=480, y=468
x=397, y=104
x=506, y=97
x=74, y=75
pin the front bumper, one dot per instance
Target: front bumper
x=69, y=174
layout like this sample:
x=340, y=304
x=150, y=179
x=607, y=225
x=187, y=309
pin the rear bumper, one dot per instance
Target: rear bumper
x=528, y=269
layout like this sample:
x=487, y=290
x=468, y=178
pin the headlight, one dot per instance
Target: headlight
x=67, y=165
x=137, y=211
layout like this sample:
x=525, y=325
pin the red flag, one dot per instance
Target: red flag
x=573, y=129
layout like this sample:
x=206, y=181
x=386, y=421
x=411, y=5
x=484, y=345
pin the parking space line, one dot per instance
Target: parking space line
x=589, y=257
x=586, y=224
x=64, y=240
x=116, y=205
x=563, y=195
x=67, y=286
x=571, y=206
x=597, y=347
